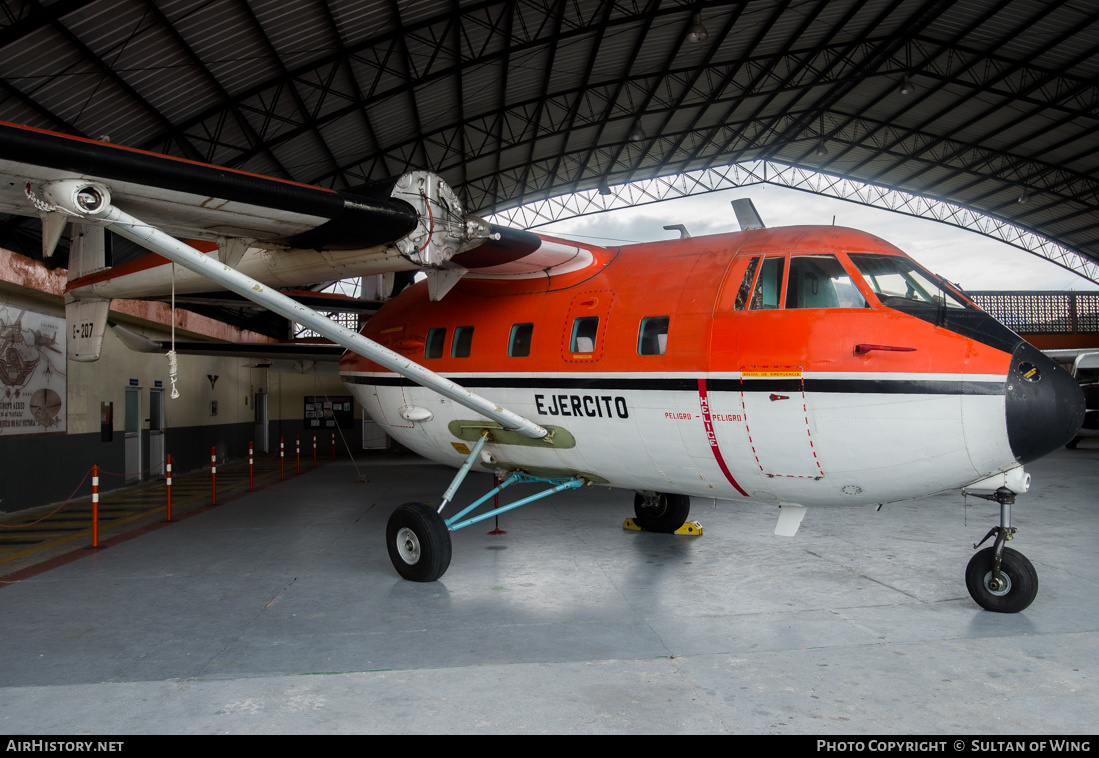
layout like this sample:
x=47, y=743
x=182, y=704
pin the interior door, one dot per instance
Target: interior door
x=156, y=431
x=132, y=434
x=259, y=433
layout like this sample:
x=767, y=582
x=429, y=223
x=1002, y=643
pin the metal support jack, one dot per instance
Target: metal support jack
x=1003, y=533
x=998, y=578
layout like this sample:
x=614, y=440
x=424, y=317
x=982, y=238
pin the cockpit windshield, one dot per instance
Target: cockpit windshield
x=899, y=282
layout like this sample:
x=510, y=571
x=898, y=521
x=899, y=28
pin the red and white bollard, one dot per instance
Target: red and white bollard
x=297, y=450
x=282, y=458
x=333, y=446
x=251, y=479
x=95, y=505
x=168, y=482
x=314, y=449
x=213, y=476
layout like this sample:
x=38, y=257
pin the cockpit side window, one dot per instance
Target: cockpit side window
x=899, y=282
x=746, y=284
x=769, y=285
x=820, y=281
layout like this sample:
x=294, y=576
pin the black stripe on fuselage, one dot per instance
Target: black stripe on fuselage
x=852, y=386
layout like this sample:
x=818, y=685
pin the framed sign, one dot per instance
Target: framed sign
x=329, y=412
x=32, y=372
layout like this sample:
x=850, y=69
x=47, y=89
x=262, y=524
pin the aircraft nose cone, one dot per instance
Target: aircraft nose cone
x=1045, y=406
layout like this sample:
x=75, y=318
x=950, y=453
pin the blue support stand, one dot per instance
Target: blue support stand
x=455, y=523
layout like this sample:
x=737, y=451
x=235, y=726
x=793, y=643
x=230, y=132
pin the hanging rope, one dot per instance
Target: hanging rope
x=347, y=446
x=173, y=363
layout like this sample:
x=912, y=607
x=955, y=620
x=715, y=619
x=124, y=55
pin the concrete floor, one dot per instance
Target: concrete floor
x=279, y=612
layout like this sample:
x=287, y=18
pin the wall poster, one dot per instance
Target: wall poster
x=32, y=372
x=329, y=412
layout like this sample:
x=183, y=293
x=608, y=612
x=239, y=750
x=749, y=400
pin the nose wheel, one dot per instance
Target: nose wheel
x=998, y=578
x=1008, y=590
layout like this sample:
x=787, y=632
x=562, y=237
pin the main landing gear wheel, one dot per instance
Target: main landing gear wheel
x=1013, y=592
x=660, y=511
x=419, y=542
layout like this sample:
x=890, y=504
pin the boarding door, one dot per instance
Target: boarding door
x=156, y=431
x=133, y=434
x=775, y=408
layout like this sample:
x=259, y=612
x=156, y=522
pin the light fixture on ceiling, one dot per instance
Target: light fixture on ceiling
x=638, y=133
x=1024, y=197
x=696, y=32
x=603, y=188
x=907, y=87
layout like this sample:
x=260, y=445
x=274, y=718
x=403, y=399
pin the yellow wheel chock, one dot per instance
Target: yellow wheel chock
x=691, y=527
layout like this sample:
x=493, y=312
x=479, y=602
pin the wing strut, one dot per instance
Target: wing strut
x=92, y=202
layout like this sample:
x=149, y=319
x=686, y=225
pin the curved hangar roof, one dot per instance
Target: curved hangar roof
x=977, y=102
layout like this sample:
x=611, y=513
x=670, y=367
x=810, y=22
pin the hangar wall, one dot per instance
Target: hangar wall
x=47, y=466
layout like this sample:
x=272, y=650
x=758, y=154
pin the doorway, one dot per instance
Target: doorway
x=156, y=432
x=133, y=434
x=259, y=433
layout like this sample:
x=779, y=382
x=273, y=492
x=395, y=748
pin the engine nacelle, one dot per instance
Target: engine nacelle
x=78, y=197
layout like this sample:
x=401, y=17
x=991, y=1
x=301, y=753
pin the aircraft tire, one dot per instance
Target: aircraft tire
x=1022, y=581
x=418, y=542
x=666, y=516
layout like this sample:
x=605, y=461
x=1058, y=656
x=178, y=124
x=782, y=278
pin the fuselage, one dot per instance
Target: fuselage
x=809, y=365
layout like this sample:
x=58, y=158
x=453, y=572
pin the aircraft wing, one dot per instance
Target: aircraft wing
x=282, y=233
x=156, y=200
x=286, y=357
x=323, y=352
x=194, y=200
x=327, y=302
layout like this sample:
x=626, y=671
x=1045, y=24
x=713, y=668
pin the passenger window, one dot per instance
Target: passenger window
x=769, y=286
x=652, y=338
x=519, y=342
x=434, y=346
x=584, y=330
x=820, y=281
x=463, y=342
x=746, y=284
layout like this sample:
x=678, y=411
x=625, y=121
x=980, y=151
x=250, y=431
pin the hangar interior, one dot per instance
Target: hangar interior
x=977, y=113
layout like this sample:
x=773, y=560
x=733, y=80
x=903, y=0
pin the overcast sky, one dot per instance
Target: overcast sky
x=969, y=259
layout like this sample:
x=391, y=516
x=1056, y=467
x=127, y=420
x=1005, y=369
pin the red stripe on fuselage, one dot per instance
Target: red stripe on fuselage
x=704, y=403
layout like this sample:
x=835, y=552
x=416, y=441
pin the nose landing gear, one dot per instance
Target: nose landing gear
x=998, y=578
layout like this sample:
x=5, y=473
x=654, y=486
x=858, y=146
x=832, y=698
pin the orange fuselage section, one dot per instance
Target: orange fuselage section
x=693, y=284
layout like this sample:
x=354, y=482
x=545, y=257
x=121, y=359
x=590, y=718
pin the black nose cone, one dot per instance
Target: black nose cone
x=1045, y=406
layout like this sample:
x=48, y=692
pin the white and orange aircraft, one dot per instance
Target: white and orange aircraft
x=794, y=366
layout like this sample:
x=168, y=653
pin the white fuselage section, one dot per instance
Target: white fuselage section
x=712, y=439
